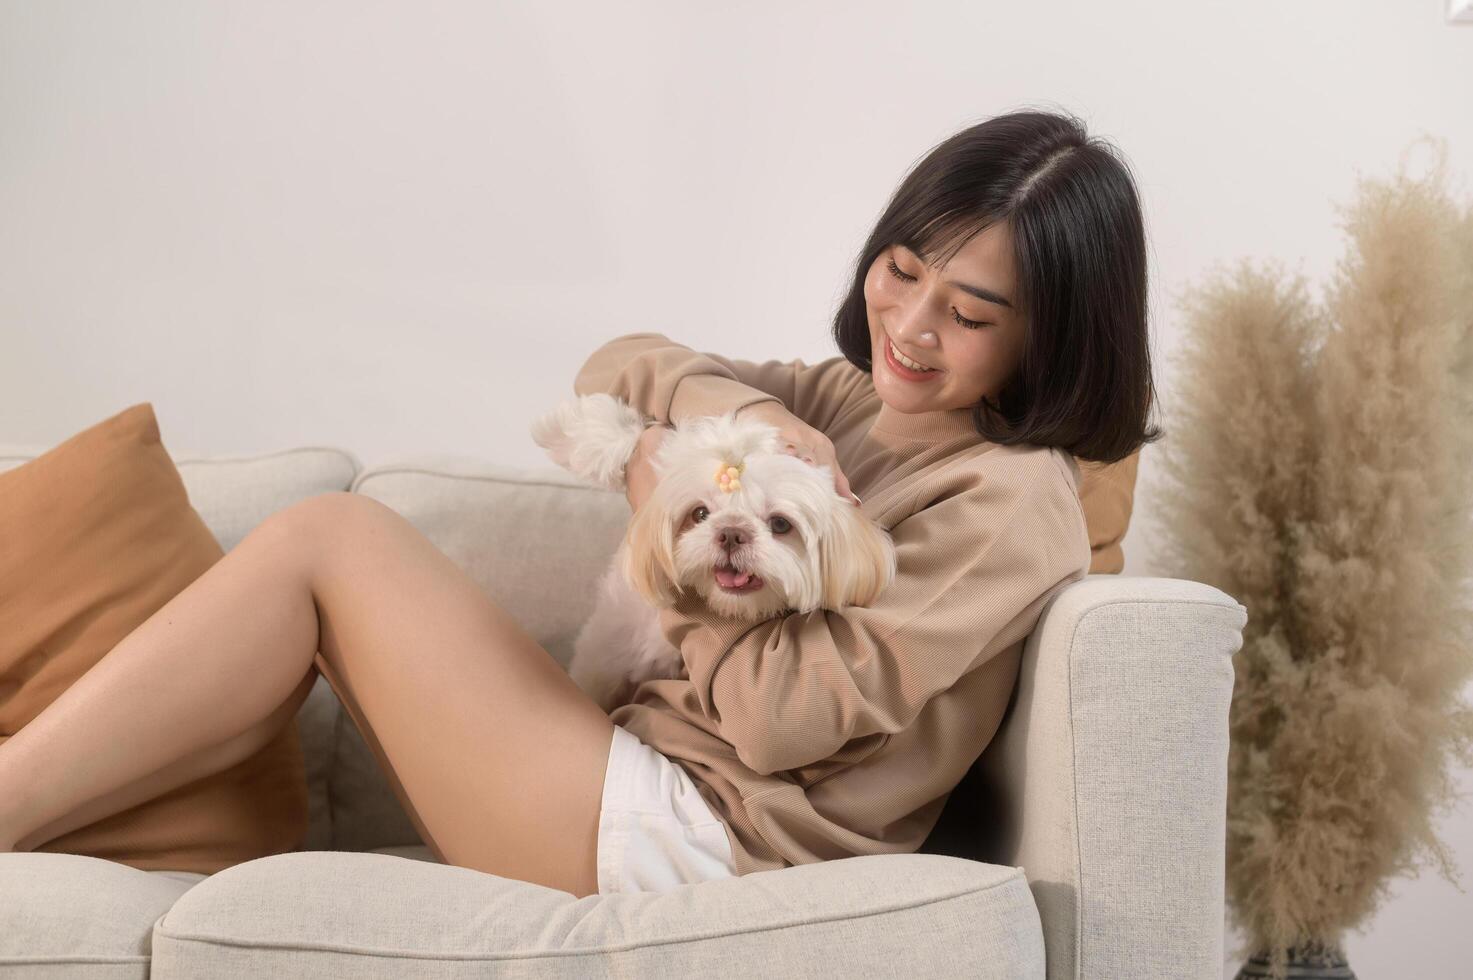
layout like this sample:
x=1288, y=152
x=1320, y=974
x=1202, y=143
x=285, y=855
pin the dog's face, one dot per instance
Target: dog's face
x=773, y=535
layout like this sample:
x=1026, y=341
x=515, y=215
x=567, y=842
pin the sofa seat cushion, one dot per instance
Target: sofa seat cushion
x=69, y=915
x=359, y=914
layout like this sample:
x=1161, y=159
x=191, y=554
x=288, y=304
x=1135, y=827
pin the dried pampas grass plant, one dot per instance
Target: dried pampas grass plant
x=1321, y=475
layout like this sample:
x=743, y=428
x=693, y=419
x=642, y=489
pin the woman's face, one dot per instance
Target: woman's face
x=918, y=311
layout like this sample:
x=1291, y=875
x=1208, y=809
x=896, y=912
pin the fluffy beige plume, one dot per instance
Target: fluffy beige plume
x=1321, y=474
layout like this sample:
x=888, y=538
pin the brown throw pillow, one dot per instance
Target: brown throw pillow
x=95, y=536
x=1107, y=492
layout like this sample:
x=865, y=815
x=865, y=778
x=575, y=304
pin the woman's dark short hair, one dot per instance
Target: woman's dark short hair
x=1084, y=381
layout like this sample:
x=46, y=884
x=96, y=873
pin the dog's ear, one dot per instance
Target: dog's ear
x=857, y=560
x=592, y=437
x=550, y=431
x=649, y=553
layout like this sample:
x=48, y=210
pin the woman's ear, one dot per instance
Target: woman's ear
x=649, y=553
x=857, y=560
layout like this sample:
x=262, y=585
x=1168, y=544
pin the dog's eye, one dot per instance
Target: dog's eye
x=700, y=514
x=779, y=525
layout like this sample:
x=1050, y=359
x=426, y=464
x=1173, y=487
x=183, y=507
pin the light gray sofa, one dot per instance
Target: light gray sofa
x=1086, y=842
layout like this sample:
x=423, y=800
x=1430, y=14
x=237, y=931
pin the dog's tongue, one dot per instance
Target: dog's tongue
x=731, y=578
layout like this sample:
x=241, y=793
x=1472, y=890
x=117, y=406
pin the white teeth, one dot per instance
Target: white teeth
x=905, y=360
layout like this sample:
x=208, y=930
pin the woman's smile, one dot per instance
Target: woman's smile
x=902, y=370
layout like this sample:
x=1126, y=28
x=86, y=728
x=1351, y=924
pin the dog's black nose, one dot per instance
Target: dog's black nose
x=732, y=536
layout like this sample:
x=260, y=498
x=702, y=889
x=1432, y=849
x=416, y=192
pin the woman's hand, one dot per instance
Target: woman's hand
x=800, y=439
x=639, y=473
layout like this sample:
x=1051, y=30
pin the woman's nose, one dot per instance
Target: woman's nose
x=912, y=329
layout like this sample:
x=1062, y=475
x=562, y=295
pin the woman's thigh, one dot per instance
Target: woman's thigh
x=500, y=754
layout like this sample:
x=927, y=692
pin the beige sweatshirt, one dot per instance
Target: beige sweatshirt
x=842, y=732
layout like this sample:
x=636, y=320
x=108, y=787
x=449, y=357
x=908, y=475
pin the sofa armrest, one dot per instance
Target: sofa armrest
x=1111, y=765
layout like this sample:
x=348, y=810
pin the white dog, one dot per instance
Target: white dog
x=753, y=530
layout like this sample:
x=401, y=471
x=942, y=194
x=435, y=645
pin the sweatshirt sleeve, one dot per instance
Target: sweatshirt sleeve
x=1107, y=494
x=974, y=572
x=671, y=382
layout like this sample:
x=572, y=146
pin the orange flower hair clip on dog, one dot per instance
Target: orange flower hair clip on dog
x=728, y=476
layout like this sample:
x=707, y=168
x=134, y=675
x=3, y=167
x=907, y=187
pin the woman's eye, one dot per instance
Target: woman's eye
x=895, y=271
x=969, y=324
x=779, y=525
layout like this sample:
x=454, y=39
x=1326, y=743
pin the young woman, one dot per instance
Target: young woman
x=995, y=332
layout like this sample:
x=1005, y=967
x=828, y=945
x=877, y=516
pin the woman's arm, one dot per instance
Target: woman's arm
x=975, y=570
x=669, y=381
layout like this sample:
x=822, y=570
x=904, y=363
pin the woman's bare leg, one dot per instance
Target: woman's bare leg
x=214, y=662
x=194, y=766
x=489, y=743
x=484, y=736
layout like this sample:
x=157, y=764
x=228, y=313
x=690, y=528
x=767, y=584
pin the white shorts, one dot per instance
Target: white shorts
x=655, y=831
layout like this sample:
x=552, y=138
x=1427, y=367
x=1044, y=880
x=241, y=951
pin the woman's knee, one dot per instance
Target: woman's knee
x=325, y=515
x=302, y=530
x=320, y=528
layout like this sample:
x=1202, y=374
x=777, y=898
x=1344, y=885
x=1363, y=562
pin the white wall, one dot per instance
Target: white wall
x=401, y=227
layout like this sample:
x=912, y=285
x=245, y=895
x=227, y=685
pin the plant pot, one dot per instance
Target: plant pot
x=1312, y=961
